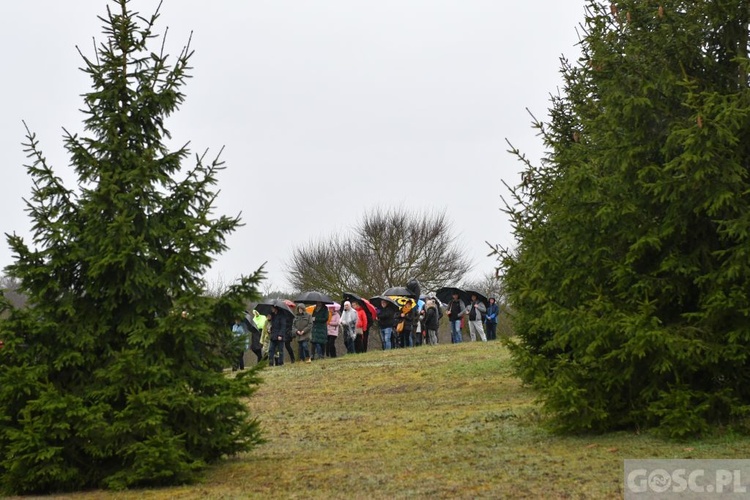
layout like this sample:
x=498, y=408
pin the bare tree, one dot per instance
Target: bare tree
x=386, y=248
x=10, y=288
x=490, y=285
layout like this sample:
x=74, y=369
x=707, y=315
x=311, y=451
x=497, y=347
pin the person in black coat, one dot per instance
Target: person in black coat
x=279, y=327
x=386, y=321
x=431, y=321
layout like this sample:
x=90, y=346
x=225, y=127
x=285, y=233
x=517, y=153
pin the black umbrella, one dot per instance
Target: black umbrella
x=264, y=308
x=314, y=298
x=249, y=323
x=400, y=291
x=445, y=294
x=389, y=302
x=480, y=296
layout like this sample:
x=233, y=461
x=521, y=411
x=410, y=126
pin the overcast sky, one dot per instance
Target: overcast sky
x=327, y=108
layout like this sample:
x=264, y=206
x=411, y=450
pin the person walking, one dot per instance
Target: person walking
x=490, y=319
x=301, y=328
x=265, y=338
x=386, y=321
x=333, y=331
x=348, y=326
x=255, y=345
x=259, y=320
x=474, y=313
x=456, y=309
x=319, y=330
x=431, y=321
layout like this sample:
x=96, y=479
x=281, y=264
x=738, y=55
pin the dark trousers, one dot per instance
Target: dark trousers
x=259, y=353
x=405, y=339
x=365, y=339
x=241, y=361
x=491, y=330
x=359, y=344
x=288, y=345
x=349, y=343
x=331, y=346
x=418, y=338
x=275, y=349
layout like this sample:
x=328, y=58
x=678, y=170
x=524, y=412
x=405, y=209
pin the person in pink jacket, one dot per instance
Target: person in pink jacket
x=333, y=331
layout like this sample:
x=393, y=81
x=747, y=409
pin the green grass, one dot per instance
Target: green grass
x=431, y=422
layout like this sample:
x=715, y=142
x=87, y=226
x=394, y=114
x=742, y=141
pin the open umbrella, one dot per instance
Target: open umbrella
x=249, y=323
x=480, y=296
x=401, y=301
x=314, y=297
x=370, y=310
x=264, y=308
x=445, y=294
x=388, y=301
x=399, y=291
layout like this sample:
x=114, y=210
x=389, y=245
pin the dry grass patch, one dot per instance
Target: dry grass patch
x=430, y=422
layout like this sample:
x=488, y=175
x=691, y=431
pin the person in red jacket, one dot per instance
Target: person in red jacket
x=359, y=329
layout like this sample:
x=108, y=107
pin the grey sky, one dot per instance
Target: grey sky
x=326, y=108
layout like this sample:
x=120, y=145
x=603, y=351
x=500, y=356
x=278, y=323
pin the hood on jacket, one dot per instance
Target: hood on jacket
x=301, y=309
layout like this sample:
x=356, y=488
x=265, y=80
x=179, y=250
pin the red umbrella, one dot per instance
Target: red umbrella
x=370, y=310
x=370, y=307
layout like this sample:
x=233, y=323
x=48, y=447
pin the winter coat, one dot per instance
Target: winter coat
x=361, y=319
x=319, y=327
x=333, y=324
x=480, y=309
x=492, y=313
x=386, y=317
x=279, y=325
x=431, y=318
x=409, y=319
x=302, y=323
x=456, y=306
x=241, y=334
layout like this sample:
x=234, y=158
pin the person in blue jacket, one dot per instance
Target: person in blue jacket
x=490, y=319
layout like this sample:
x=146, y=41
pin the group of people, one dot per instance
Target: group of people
x=476, y=314
x=414, y=323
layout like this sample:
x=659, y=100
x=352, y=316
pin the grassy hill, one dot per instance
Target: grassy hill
x=430, y=422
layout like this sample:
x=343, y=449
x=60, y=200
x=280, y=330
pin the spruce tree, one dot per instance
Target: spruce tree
x=112, y=377
x=631, y=278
